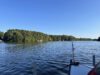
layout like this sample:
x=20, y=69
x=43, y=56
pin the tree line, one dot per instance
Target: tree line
x=98, y=39
x=25, y=36
x=1, y=35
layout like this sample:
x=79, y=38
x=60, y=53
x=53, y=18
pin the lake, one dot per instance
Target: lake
x=48, y=58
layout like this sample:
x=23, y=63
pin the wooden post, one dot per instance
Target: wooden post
x=93, y=60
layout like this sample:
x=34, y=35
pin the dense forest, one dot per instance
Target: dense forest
x=62, y=38
x=98, y=39
x=1, y=35
x=25, y=36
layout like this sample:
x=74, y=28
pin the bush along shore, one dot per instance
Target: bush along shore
x=25, y=36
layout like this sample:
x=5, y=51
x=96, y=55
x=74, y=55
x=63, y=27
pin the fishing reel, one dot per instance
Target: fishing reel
x=75, y=63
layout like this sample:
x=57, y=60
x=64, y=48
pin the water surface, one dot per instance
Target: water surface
x=45, y=58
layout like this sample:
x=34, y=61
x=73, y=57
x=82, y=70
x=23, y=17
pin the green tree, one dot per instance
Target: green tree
x=98, y=38
x=1, y=35
x=25, y=36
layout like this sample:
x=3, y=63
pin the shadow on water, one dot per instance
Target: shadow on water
x=53, y=68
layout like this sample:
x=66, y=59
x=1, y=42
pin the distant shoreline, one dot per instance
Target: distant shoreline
x=25, y=36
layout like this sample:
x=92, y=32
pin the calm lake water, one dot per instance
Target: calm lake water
x=48, y=58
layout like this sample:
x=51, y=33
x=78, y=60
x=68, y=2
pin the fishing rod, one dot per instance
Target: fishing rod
x=73, y=52
x=73, y=61
x=76, y=63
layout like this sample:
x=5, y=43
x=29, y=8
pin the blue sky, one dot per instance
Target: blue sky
x=80, y=18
